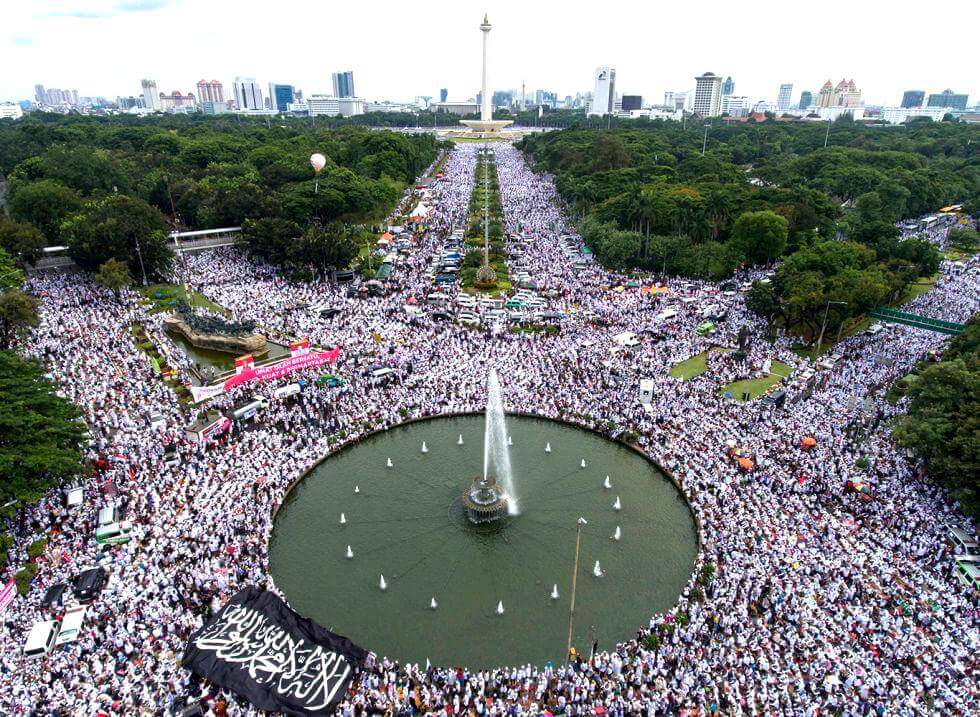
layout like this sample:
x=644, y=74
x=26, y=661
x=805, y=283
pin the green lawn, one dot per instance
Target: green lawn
x=758, y=386
x=164, y=296
x=690, y=368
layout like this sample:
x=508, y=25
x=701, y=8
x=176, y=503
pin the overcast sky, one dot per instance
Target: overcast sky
x=400, y=49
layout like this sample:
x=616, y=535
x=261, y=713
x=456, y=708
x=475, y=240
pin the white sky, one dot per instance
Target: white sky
x=400, y=49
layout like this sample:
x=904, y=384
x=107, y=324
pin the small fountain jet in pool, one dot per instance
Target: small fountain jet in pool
x=606, y=483
x=390, y=464
x=500, y=607
x=383, y=584
x=554, y=592
x=357, y=489
x=433, y=604
x=510, y=441
x=617, y=505
x=460, y=441
x=582, y=465
x=343, y=519
x=350, y=553
x=596, y=570
x=425, y=448
x=491, y=496
x=618, y=534
x=547, y=448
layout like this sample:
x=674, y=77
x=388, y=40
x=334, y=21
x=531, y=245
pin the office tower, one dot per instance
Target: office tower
x=604, y=95
x=783, y=99
x=343, y=84
x=632, y=102
x=728, y=86
x=948, y=98
x=39, y=94
x=177, y=101
x=443, y=94
x=248, y=94
x=281, y=96
x=806, y=99
x=543, y=97
x=151, y=96
x=676, y=100
x=844, y=94
x=212, y=91
x=707, y=95
x=735, y=105
x=913, y=98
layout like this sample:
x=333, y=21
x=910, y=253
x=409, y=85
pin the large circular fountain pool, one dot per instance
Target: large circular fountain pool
x=406, y=523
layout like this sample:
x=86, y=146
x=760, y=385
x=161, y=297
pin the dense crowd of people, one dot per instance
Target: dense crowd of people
x=823, y=599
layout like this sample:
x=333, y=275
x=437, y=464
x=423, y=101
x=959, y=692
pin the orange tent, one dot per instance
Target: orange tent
x=809, y=442
x=745, y=464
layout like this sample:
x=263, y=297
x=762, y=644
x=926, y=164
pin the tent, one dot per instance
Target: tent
x=745, y=464
x=809, y=442
x=420, y=212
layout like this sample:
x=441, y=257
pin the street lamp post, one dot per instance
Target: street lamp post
x=823, y=327
x=826, y=137
x=571, y=607
x=704, y=145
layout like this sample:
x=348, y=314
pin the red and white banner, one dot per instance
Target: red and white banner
x=7, y=594
x=245, y=370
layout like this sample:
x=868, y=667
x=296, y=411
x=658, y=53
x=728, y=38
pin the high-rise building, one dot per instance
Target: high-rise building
x=151, y=96
x=707, y=95
x=632, y=102
x=948, y=98
x=728, y=86
x=735, y=105
x=212, y=91
x=443, y=94
x=604, y=95
x=784, y=98
x=248, y=94
x=281, y=96
x=676, y=100
x=39, y=94
x=343, y=84
x=845, y=94
x=176, y=101
x=10, y=110
x=913, y=98
x=806, y=99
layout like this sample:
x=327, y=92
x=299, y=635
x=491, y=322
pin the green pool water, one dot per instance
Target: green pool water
x=407, y=524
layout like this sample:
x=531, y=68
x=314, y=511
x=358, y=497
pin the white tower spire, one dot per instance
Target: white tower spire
x=486, y=114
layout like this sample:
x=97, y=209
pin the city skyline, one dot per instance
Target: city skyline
x=98, y=31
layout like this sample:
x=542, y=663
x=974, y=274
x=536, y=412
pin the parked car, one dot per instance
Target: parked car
x=89, y=583
x=54, y=596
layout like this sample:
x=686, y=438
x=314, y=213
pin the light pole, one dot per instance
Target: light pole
x=826, y=137
x=824, y=326
x=704, y=145
x=571, y=607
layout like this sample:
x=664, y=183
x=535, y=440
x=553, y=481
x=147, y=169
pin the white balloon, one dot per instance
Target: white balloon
x=318, y=161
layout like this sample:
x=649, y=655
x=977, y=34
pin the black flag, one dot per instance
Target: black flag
x=258, y=648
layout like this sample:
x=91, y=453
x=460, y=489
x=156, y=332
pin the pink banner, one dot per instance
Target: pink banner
x=7, y=594
x=246, y=371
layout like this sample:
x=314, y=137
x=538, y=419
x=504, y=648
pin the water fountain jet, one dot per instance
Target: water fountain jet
x=492, y=496
x=383, y=584
x=350, y=553
x=554, y=592
x=425, y=448
x=617, y=505
x=618, y=534
x=606, y=483
x=500, y=607
x=547, y=448
x=343, y=519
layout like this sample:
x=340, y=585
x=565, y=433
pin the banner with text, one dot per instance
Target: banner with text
x=279, y=661
x=301, y=358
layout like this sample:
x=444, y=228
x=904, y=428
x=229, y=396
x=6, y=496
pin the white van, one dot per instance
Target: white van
x=41, y=638
x=290, y=389
x=627, y=339
x=108, y=514
x=71, y=624
x=383, y=373
x=666, y=314
x=244, y=413
x=964, y=546
x=114, y=533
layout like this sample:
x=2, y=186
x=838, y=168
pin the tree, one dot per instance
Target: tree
x=327, y=248
x=760, y=236
x=21, y=240
x=763, y=301
x=10, y=275
x=942, y=426
x=41, y=440
x=964, y=239
x=122, y=228
x=114, y=275
x=272, y=239
x=45, y=204
x=18, y=311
